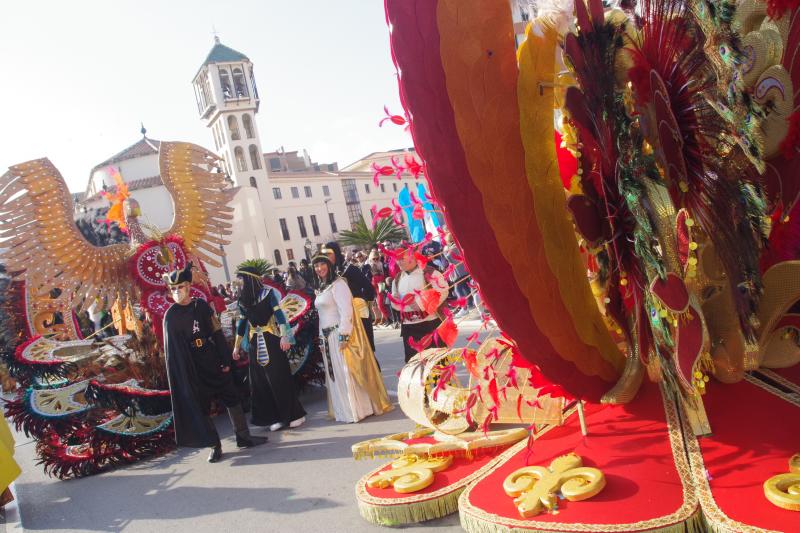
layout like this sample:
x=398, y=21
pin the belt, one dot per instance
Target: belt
x=200, y=342
x=328, y=331
x=406, y=316
x=270, y=327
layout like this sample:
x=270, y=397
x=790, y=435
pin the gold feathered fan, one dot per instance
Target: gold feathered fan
x=44, y=245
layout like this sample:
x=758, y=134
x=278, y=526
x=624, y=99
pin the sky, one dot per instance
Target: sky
x=80, y=77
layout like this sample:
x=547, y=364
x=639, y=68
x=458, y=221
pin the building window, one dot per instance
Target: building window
x=241, y=163
x=326, y=191
x=366, y=188
x=238, y=83
x=334, y=229
x=274, y=163
x=233, y=126
x=284, y=229
x=354, y=214
x=255, y=158
x=225, y=83
x=383, y=187
x=295, y=192
x=302, y=224
x=394, y=187
x=253, y=182
x=247, y=122
x=307, y=190
x=314, y=226
x=289, y=254
x=278, y=257
x=276, y=193
x=350, y=191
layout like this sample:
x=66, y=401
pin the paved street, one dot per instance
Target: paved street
x=302, y=480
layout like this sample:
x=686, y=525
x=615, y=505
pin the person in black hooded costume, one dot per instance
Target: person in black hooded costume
x=199, y=370
x=359, y=285
x=264, y=333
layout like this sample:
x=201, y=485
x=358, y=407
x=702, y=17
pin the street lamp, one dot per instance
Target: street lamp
x=308, y=245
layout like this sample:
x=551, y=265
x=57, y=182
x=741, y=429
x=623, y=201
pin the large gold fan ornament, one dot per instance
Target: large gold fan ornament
x=43, y=245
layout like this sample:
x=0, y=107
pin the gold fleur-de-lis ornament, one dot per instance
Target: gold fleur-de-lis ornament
x=410, y=473
x=535, y=488
x=783, y=490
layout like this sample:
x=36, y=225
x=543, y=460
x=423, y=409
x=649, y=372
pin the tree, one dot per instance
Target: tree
x=262, y=266
x=368, y=237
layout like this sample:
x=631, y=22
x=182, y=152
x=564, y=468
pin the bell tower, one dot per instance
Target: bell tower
x=227, y=102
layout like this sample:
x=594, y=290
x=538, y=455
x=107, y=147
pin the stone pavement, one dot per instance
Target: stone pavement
x=301, y=480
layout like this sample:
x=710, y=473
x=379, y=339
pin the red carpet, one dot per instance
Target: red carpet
x=754, y=435
x=630, y=444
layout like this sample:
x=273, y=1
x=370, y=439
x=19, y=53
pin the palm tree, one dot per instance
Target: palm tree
x=262, y=266
x=364, y=236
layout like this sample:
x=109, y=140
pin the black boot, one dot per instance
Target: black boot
x=216, y=454
x=243, y=437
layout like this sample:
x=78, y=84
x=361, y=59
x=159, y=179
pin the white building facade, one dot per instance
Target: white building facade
x=285, y=205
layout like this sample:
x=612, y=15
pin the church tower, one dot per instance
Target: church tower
x=227, y=101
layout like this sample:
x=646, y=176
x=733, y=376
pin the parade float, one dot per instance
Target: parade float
x=624, y=186
x=94, y=403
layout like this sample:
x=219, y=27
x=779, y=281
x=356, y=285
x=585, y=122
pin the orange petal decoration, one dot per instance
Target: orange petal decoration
x=448, y=332
x=430, y=300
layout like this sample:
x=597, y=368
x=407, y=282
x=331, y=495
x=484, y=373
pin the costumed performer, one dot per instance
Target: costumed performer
x=359, y=285
x=264, y=333
x=407, y=288
x=355, y=385
x=199, y=370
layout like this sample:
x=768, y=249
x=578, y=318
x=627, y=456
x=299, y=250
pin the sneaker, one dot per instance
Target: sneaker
x=276, y=426
x=297, y=423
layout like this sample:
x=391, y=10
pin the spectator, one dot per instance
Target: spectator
x=294, y=281
x=416, y=321
x=307, y=273
x=458, y=277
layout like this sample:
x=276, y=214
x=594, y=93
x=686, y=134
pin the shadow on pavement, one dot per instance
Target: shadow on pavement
x=161, y=497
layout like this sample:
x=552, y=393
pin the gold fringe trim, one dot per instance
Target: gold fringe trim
x=473, y=524
x=410, y=513
x=686, y=518
x=420, y=507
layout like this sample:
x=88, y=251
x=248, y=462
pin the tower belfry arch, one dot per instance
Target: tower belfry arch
x=227, y=102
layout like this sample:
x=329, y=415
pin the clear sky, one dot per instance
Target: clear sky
x=79, y=77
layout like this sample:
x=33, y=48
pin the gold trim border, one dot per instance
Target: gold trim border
x=793, y=399
x=421, y=507
x=771, y=374
x=437, y=504
x=715, y=518
x=686, y=519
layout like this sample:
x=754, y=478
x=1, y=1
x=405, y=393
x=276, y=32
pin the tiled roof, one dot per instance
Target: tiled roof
x=140, y=148
x=133, y=185
x=144, y=183
x=222, y=54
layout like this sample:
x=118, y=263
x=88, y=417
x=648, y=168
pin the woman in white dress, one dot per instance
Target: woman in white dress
x=355, y=386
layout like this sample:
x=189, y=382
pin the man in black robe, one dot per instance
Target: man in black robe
x=265, y=335
x=199, y=370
